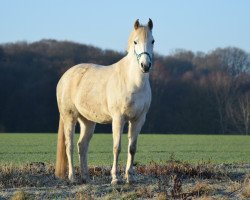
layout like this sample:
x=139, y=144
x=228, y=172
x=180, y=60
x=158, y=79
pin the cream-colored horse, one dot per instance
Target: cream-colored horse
x=119, y=93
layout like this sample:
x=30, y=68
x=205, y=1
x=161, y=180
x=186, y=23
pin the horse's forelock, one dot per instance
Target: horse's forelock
x=141, y=32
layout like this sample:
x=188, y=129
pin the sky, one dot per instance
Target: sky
x=196, y=25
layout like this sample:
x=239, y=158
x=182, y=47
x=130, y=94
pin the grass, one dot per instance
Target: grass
x=25, y=148
x=172, y=180
x=168, y=167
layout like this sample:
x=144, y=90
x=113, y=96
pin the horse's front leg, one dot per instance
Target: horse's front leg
x=134, y=129
x=117, y=126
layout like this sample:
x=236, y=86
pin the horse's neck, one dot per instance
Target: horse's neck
x=134, y=78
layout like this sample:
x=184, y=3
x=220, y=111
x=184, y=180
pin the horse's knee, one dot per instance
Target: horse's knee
x=132, y=149
x=117, y=149
x=68, y=144
x=79, y=146
x=69, y=137
x=82, y=147
x=83, y=144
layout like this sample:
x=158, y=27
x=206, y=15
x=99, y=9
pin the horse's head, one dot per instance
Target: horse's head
x=141, y=43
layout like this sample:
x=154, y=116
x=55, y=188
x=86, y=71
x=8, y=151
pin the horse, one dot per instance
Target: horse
x=119, y=93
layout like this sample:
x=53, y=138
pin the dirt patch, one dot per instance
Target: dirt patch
x=172, y=180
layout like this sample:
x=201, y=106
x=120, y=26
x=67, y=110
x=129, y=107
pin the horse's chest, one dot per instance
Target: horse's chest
x=135, y=104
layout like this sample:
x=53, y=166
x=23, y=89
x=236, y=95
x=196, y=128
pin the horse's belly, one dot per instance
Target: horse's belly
x=90, y=100
x=98, y=118
x=96, y=115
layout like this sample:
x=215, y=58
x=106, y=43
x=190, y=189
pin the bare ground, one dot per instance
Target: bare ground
x=172, y=180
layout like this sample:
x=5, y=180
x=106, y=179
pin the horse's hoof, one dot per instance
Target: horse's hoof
x=72, y=179
x=85, y=180
x=129, y=178
x=115, y=182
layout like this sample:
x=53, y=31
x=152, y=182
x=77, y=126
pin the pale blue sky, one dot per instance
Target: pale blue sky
x=197, y=25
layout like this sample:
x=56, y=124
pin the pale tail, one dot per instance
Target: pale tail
x=61, y=158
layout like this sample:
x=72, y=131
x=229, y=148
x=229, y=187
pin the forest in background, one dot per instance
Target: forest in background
x=192, y=92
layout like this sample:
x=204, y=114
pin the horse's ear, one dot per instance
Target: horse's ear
x=137, y=24
x=150, y=24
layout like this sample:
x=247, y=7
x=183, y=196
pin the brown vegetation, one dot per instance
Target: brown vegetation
x=172, y=180
x=246, y=187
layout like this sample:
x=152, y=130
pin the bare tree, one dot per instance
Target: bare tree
x=239, y=108
x=239, y=113
x=223, y=89
x=244, y=105
x=233, y=60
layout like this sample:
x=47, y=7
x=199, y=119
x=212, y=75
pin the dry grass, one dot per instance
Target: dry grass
x=32, y=175
x=246, y=187
x=203, y=170
x=234, y=186
x=20, y=195
x=172, y=180
x=205, y=198
x=201, y=188
x=161, y=196
x=83, y=196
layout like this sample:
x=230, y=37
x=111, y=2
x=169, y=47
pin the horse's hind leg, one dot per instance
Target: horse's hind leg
x=69, y=130
x=87, y=129
x=134, y=130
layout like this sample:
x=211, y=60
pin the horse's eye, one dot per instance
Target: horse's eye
x=135, y=42
x=153, y=41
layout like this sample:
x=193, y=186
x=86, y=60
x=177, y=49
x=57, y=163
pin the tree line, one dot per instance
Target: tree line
x=201, y=93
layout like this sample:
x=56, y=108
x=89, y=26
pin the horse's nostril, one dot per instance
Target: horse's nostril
x=142, y=65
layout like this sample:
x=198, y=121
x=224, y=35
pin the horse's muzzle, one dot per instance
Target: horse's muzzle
x=145, y=68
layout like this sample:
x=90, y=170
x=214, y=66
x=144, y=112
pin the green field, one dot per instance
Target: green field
x=25, y=148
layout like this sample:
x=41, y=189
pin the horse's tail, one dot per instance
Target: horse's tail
x=61, y=158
